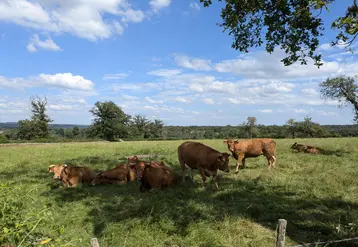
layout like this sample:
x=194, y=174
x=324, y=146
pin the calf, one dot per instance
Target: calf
x=155, y=176
x=204, y=158
x=306, y=148
x=137, y=166
x=121, y=174
x=253, y=148
x=72, y=175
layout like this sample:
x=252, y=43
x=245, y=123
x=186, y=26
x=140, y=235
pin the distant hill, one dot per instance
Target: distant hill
x=13, y=125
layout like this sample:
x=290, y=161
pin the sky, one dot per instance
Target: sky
x=164, y=59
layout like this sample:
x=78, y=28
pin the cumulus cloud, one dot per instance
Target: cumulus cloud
x=209, y=101
x=192, y=63
x=194, y=6
x=35, y=43
x=182, y=99
x=92, y=20
x=159, y=4
x=265, y=111
x=60, y=80
x=164, y=72
x=153, y=101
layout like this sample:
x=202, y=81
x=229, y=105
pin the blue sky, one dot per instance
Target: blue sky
x=163, y=59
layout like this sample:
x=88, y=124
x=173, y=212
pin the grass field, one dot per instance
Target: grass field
x=316, y=194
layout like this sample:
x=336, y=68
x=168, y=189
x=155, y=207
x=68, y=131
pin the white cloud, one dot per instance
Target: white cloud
x=192, y=63
x=209, y=101
x=60, y=107
x=118, y=76
x=265, y=111
x=159, y=4
x=92, y=20
x=153, y=101
x=35, y=43
x=182, y=99
x=325, y=47
x=60, y=80
x=194, y=6
x=309, y=91
x=164, y=72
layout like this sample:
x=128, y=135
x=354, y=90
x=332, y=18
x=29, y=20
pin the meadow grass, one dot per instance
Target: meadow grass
x=316, y=194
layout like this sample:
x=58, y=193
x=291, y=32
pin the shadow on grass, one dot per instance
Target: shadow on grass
x=337, y=152
x=309, y=219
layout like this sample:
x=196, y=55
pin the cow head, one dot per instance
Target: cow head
x=294, y=145
x=231, y=144
x=138, y=169
x=97, y=179
x=133, y=160
x=57, y=170
x=223, y=162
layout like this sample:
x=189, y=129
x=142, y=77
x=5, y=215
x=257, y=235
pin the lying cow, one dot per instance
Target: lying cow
x=121, y=174
x=138, y=166
x=72, y=175
x=155, y=176
x=206, y=159
x=305, y=148
x=253, y=148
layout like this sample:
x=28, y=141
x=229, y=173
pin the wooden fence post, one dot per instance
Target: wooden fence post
x=281, y=232
x=94, y=242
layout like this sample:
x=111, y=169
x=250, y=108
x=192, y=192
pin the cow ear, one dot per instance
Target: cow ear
x=225, y=141
x=51, y=168
x=236, y=142
x=220, y=157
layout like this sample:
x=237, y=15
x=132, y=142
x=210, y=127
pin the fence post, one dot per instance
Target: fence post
x=94, y=242
x=281, y=232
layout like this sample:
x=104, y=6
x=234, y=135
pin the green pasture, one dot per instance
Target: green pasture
x=316, y=194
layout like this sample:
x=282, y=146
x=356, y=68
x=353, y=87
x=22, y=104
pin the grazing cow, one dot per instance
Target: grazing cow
x=306, y=148
x=204, y=158
x=155, y=176
x=253, y=148
x=121, y=174
x=72, y=175
x=138, y=166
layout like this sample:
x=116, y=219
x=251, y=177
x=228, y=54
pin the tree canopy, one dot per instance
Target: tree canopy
x=293, y=25
x=341, y=88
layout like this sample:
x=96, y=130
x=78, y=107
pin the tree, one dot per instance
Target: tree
x=250, y=126
x=141, y=124
x=343, y=89
x=75, y=131
x=292, y=127
x=37, y=127
x=293, y=25
x=110, y=121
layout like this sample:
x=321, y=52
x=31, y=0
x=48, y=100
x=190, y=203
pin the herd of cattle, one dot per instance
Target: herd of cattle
x=195, y=155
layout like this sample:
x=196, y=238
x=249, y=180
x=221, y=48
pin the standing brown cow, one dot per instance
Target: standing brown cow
x=206, y=159
x=253, y=148
x=155, y=176
x=121, y=174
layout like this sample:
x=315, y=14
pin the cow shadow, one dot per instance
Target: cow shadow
x=336, y=152
x=309, y=219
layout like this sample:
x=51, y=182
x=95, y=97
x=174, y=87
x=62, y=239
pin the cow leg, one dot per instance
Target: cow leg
x=203, y=176
x=192, y=174
x=273, y=160
x=182, y=168
x=214, y=179
x=240, y=159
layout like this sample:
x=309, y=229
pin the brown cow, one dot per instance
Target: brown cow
x=72, y=175
x=306, y=148
x=253, y=148
x=155, y=176
x=138, y=165
x=204, y=158
x=121, y=174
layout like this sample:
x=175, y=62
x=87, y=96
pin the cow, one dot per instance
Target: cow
x=306, y=148
x=203, y=158
x=121, y=174
x=138, y=166
x=252, y=148
x=155, y=176
x=71, y=176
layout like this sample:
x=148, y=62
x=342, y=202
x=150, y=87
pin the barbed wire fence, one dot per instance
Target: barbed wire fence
x=281, y=237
